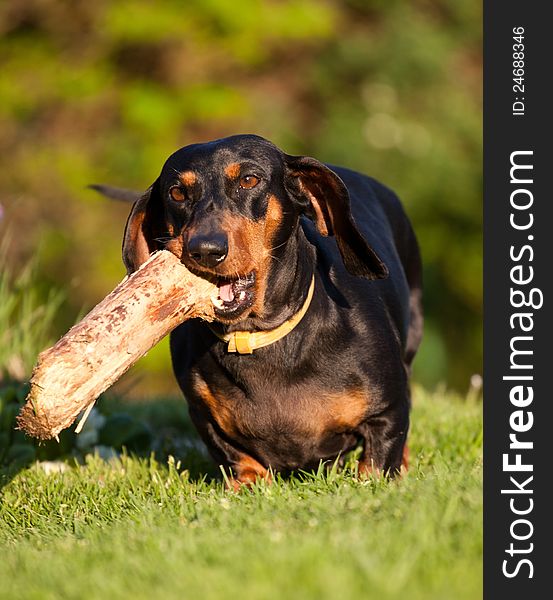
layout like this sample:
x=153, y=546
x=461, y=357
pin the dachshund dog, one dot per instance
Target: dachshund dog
x=319, y=311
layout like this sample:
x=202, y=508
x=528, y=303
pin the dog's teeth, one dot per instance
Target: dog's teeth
x=217, y=302
x=242, y=295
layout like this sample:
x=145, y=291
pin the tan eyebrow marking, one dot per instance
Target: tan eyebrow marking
x=232, y=171
x=188, y=177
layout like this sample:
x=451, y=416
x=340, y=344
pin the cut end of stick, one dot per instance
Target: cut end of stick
x=33, y=424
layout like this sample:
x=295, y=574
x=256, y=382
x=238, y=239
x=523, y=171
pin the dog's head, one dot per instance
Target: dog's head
x=228, y=208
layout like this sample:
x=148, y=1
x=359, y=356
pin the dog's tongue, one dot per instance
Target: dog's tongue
x=226, y=292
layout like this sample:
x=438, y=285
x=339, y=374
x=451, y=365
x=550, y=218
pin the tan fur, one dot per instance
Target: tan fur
x=272, y=220
x=174, y=245
x=247, y=471
x=250, y=246
x=221, y=410
x=135, y=245
x=321, y=211
x=344, y=411
x=232, y=171
x=333, y=412
x=188, y=178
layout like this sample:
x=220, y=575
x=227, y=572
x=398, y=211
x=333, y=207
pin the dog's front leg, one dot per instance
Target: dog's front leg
x=384, y=448
x=241, y=469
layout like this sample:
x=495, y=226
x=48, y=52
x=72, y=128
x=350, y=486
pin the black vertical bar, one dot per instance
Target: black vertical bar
x=524, y=128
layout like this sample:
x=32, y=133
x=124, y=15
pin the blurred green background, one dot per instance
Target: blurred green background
x=105, y=91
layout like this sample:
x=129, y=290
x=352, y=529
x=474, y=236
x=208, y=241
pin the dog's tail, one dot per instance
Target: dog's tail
x=116, y=193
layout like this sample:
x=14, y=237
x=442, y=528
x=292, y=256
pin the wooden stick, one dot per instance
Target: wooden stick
x=93, y=354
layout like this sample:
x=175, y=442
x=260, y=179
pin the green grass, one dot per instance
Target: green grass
x=140, y=528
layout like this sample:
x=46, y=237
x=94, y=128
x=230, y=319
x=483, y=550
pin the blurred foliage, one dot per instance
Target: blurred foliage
x=160, y=428
x=27, y=315
x=105, y=91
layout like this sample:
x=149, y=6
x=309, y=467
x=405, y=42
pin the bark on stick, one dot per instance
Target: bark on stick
x=118, y=331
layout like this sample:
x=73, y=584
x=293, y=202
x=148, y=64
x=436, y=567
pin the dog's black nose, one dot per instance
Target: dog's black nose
x=208, y=250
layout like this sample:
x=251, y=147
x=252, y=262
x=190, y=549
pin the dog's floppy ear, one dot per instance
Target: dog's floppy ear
x=144, y=225
x=325, y=199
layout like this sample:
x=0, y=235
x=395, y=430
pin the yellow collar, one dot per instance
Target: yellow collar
x=245, y=342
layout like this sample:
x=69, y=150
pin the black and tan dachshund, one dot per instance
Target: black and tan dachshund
x=319, y=311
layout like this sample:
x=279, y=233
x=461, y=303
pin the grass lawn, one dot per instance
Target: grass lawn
x=139, y=528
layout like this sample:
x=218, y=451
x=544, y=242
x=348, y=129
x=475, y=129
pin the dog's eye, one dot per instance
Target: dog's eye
x=248, y=182
x=177, y=193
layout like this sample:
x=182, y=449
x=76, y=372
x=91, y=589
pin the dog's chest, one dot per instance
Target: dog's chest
x=296, y=419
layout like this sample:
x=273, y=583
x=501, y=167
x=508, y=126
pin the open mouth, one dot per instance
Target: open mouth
x=234, y=295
